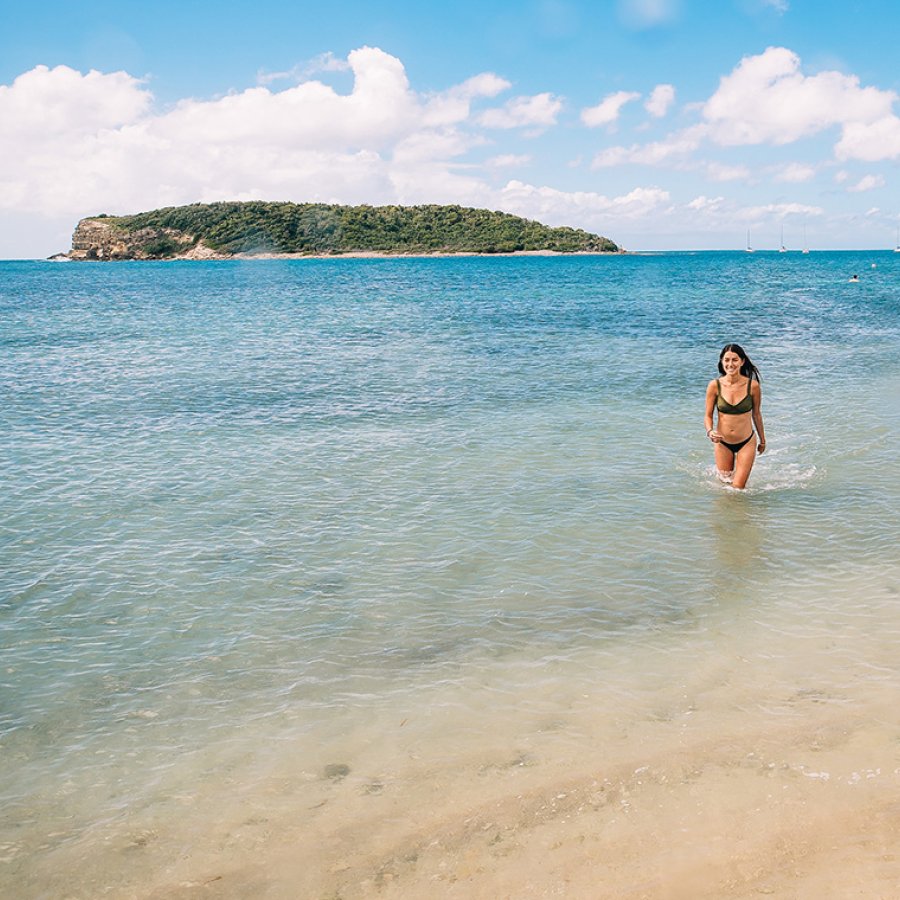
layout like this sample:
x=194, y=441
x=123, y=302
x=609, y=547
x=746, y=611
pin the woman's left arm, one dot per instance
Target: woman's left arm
x=756, y=392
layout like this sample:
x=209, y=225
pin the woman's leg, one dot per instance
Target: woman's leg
x=724, y=463
x=743, y=463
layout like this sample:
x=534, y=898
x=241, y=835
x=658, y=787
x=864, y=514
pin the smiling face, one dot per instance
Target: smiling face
x=731, y=363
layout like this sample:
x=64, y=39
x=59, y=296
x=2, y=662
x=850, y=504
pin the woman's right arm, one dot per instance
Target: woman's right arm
x=711, y=395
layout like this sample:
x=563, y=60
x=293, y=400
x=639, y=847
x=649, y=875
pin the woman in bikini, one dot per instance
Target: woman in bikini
x=737, y=398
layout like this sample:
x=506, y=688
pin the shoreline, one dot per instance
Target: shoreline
x=379, y=254
x=212, y=256
x=729, y=774
x=207, y=255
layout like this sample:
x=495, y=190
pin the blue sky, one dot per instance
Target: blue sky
x=663, y=124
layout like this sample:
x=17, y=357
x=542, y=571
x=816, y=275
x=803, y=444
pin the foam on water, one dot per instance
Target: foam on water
x=447, y=523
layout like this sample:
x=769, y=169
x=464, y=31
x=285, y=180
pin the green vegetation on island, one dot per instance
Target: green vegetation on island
x=316, y=228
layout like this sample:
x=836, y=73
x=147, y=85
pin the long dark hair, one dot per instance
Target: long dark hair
x=747, y=367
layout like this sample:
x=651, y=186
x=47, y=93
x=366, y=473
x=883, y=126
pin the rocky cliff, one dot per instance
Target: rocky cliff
x=99, y=239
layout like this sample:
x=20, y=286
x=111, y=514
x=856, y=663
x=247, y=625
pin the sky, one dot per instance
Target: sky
x=661, y=124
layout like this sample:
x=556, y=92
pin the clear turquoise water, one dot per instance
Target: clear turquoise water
x=290, y=494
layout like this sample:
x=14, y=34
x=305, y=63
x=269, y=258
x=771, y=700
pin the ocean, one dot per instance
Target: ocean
x=411, y=577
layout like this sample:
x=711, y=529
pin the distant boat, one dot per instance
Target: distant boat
x=897, y=247
x=805, y=248
x=783, y=248
x=749, y=248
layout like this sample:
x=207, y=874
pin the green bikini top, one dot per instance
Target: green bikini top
x=734, y=409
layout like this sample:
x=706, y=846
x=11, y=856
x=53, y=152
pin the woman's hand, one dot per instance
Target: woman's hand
x=761, y=447
x=714, y=435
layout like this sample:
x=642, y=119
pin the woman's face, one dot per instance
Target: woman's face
x=731, y=363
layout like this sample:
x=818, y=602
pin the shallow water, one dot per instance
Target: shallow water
x=408, y=517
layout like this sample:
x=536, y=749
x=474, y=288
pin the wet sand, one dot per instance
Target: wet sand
x=763, y=760
x=780, y=811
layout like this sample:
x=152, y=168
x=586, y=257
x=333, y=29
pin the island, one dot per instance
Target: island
x=264, y=229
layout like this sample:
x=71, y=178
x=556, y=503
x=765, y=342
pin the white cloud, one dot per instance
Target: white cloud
x=780, y=211
x=679, y=144
x=538, y=111
x=794, y=173
x=870, y=141
x=719, y=215
x=721, y=172
x=434, y=145
x=74, y=144
x=766, y=99
x=867, y=183
x=659, y=101
x=380, y=107
x=607, y=111
x=551, y=205
x=44, y=103
x=704, y=203
x=508, y=160
x=324, y=62
x=454, y=105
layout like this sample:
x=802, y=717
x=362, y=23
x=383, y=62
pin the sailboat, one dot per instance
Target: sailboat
x=749, y=248
x=805, y=248
x=783, y=248
x=897, y=246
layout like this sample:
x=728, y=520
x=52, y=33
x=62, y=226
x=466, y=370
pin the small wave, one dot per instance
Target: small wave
x=774, y=478
x=782, y=477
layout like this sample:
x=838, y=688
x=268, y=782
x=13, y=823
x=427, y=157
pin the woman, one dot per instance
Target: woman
x=737, y=398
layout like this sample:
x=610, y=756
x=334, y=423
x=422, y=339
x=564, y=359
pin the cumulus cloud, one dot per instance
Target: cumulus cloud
x=539, y=111
x=720, y=215
x=721, y=172
x=705, y=203
x=867, y=183
x=455, y=105
x=552, y=205
x=794, y=173
x=677, y=145
x=660, y=99
x=608, y=109
x=767, y=99
x=508, y=160
x=870, y=141
x=74, y=144
x=44, y=103
x=324, y=62
x=780, y=211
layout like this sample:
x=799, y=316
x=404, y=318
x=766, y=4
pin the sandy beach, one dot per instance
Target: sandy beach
x=727, y=785
x=759, y=771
